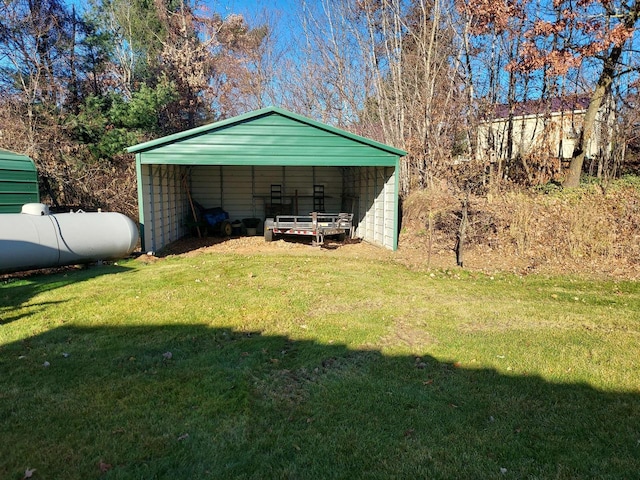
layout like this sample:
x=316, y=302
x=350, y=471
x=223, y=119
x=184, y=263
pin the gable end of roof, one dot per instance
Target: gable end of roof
x=264, y=112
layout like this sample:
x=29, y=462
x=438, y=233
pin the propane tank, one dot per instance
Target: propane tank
x=35, y=238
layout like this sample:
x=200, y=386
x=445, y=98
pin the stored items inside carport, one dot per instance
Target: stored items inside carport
x=18, y=181
x=264, y=163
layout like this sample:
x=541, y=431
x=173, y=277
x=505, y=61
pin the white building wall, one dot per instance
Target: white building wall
x=375, y=187
x=264, y=177
x=298, y=180
x=237, y=192
x=164, y=203
x=331, y=178
x=532, y=134
x=205, y=186
x=243, y=191
x=390, y=207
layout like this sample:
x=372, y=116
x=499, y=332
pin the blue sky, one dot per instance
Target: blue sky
x=250, y=8
x=282, y=13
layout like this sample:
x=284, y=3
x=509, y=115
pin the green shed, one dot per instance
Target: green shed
x=18, y=181
x=262, y=163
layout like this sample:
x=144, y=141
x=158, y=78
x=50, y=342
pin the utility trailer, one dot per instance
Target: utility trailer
x=316, y=225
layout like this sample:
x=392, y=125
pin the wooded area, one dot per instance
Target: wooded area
x=422, y=75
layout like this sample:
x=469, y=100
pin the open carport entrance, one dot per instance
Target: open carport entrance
x=266, y=162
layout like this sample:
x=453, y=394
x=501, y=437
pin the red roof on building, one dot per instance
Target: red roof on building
x=568, y=103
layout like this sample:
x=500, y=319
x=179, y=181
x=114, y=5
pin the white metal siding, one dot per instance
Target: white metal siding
x=264, y=177
x=205, y=186
x=244, y=191
x=228, y=187
x=164, y=204
x=299, y=184
x=390, y=210
x=331, y=178
x=370, y=219
x=375, y=218
x=237, y=192
x=379, y=206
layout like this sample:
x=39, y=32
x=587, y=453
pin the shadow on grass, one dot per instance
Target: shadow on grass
x=198, y=402
x=17, y=289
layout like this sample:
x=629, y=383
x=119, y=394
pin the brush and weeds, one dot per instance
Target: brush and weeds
x=591, y=231
x=316, y=366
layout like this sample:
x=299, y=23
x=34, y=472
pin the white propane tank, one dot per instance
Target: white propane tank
x=37, y=239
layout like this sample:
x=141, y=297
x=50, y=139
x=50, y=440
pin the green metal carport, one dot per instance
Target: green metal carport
x=236, y=163
x=18, y=181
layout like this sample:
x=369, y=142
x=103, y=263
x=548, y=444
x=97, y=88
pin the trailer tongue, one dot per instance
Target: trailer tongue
x=316, y=225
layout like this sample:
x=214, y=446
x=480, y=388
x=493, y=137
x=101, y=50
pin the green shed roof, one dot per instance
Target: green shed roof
x=18, y=181
x=13, y=160
x=269, y=136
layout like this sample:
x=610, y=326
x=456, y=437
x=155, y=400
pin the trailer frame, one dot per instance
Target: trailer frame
x=316, y=225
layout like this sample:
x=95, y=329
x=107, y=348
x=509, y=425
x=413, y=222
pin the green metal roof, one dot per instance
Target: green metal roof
x=270, y=136
x=18, y=181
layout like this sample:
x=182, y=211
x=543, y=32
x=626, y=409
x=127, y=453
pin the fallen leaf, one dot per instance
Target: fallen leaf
x=184, y=436
x=104, y=467
x=28, y=473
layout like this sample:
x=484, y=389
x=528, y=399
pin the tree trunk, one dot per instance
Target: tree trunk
x=602, y=89
x=462, y=231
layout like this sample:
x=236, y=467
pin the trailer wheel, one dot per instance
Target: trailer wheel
x=342, y=237
x=268, y=235
x=226, y=229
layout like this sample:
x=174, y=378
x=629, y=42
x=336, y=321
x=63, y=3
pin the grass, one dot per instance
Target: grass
x=316, y=366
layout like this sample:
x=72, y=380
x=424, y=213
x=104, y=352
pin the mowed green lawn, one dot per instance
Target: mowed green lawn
x=316, y=366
